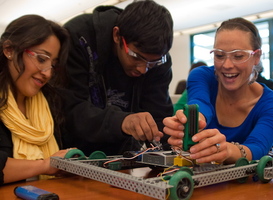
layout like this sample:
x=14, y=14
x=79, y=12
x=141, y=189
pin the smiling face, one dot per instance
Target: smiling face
x=234, y=76
x=30, y=82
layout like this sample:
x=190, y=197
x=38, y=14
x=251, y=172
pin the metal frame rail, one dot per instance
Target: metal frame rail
x=224, y=175
x=154, y=187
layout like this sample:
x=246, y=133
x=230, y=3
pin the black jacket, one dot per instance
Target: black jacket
x=90, y=128
x=5, y=148
x=98, y=76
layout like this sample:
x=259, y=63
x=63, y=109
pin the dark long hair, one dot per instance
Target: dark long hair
x=23, y=33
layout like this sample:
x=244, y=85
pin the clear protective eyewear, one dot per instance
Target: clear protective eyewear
x=236, y=56
x=41, y=61
x=149, y=64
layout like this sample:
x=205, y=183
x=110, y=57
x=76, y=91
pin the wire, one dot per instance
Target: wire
x=114, y=160
x=165, y=171
x=178, y=152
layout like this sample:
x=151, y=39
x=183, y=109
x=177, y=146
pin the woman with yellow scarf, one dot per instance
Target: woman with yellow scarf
x=33, y=52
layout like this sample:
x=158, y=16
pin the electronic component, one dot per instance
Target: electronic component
x=191, y=127
x=160, y=158
x=30, y=192
x=182, y=161
x=157, y=144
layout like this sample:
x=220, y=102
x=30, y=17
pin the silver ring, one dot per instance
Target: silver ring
x=218, y=147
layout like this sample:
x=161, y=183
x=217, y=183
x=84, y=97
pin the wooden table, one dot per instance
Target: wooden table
x=79, y=188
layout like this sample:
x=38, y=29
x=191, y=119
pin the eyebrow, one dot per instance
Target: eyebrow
x=140, y=56
x=147, y=59
x=42, y=51
x=126, y=45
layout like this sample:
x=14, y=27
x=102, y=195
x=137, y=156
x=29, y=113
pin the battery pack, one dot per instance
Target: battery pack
x=30, y=192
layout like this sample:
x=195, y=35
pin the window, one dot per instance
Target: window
x=202, y=43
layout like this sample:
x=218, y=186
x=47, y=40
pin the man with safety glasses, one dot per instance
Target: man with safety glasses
x=119, y=62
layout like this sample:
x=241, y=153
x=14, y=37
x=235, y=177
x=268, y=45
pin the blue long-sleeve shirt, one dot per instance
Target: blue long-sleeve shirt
x=256, y=132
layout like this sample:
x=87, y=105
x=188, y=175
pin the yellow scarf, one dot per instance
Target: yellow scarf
x=33, y=137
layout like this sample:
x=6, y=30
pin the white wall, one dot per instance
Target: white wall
x=180, y=53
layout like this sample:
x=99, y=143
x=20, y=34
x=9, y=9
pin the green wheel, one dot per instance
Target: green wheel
x=75, y=153
x=242, y=162
x=182, y=186
x=97, y=155
x=265, y=161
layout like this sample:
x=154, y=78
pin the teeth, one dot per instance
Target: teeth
x=230, y=75
x=38, y=80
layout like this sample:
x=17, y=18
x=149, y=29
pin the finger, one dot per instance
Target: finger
x=213, y=135
x=181, y=116
x=136, y=132
x=202, y=124
x=141, y=126
x=131, y=126
x=202, y=135
x=207, y=140
x=175, y=142
x=209, y=152
x=143, y=130
x=205, y=146
x=150, y=128
x=204, y=152
x=160, y=135
x=173, y=123
x=174, y=133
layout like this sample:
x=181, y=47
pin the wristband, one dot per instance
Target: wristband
x=241, y=148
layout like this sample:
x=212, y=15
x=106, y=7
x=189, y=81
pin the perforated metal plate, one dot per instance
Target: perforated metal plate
x=203, y=175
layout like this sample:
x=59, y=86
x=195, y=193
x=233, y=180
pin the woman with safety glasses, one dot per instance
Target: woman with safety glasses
x=236, y=112
x=33, y=51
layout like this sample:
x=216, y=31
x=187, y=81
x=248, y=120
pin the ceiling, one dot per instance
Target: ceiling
x=186, y=13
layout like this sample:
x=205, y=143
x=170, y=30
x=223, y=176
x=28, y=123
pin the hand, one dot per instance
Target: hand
x=141, y=126
x=206, y=149
x=174, y=126
x=51, y=170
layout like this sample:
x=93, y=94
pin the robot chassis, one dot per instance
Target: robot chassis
x=176, y=185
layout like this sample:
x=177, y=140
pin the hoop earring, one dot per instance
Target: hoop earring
x=253, y=76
